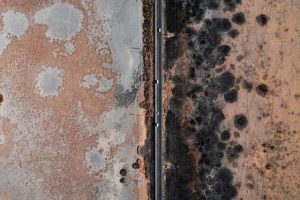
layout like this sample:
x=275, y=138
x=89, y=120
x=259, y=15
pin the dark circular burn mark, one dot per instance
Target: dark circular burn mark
x=213, y=4
x=233, y=33
x=231, y=96
x=247, y=86
x=262, y=90
x=136, y=165
x=231, y=4
x=225, y=135
x=1, y=98
x=238, y=18
x=233, y=153
x=238, y=148
x=123, y=172
x=122, y=180
x=225, y=81
x=221, y=145
x=240, y=121
x=262, y=20
x=224, y=50
x=221, y=24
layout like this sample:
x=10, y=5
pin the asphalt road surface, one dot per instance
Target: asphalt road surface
x=158, y=101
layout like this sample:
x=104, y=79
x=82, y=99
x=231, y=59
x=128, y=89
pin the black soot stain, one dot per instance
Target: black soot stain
x=247, y=86
x=262, y=90
x=233, y=33
x=238, y=18
x=211, y=180
x=240, y=121
x=262, y=20
x=231, y=96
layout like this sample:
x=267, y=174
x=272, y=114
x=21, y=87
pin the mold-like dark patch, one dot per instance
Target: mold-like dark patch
x=236, y=134
x=231, y=96
x=225, y=135
x=198, y=83
x=220, y=24
x=240, y=121
x=247, y=86
x=213, y=4
x=224, y=50
x=233, y=153
x=262, y=20
x=231, y=4
x=268, y=166
x=224, y=82
x=262, y=90
x=136, y=165
x=123, y=172
x=239, y=58
x=233, y=33
x=1, y=98
x=250, y=186
x=238, y=18
x=122, y=180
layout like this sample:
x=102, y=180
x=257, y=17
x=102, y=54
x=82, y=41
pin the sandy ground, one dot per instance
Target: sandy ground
x=270, y=166
x=70, y=121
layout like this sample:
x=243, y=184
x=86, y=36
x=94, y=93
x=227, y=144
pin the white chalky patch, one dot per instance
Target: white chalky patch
x=70, y=48
x=49, y=81
x=15, y=23
x=99, y=81
x=94, y=160
x=63, y=20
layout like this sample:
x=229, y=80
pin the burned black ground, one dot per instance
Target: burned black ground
x=238, y=18
x=190, y=177
x=262, y=90
x=262, y=19
x=231, y=96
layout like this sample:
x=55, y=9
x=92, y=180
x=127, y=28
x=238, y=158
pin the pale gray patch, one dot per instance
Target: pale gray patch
x=99, y=81
x=4, y=42
x=105, y=84
x=70, y=48
x=89, y=80
x=15, y=23
x=49, y=81
x=63, y=20
x=123, y=22
x=95, y=161
x=128, y=96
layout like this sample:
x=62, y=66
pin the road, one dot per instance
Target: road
x=159, y=183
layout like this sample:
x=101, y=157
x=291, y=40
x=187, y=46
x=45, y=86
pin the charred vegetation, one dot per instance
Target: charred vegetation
x=197, y=82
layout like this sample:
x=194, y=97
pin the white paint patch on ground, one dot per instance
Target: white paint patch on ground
x=98, y=81
x=94, y=160
x=63, y=20
x=15, y=24
x=49, y=80
x=69, y=49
